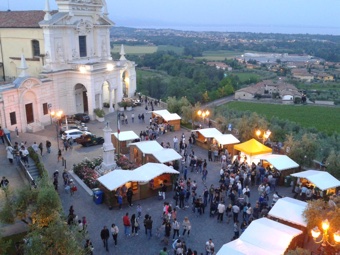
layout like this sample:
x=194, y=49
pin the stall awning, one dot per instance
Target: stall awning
x=145, y=173
x=126, y=136
x=209, y=132
x=238, y=247
x=280, y=162
x=166, y=155
x=290, y=210
x=161, y=112
x=269, y=235
x=171, y=116
x=252, y=148
x=226, y=139
x=322, y=180
x=148, y=147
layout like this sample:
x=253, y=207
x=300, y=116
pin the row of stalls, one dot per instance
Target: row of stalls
x=249, y=151
x=144, y=181
x=282, y=231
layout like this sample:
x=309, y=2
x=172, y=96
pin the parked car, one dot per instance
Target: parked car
x=89, y=140
x=81, y=127
x=74, y=133
x=83, y=117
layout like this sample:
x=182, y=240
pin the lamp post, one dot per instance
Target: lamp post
x=263, y=135
x=203, y=114
x=56, y=115
x=325, y=238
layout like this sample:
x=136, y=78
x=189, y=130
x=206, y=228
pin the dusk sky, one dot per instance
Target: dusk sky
x=282, y=16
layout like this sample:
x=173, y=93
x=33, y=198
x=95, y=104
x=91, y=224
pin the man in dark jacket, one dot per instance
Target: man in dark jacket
x=104, y=235
x=148, y=226
x=129, y=195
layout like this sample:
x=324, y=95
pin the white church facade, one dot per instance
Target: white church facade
x=61, y=61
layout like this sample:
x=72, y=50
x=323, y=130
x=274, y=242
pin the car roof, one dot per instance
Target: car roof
x=72, y=130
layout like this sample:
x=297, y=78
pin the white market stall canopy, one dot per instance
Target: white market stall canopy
x=145, y=173
x=126, y=136
x=238, y=247
x=166, y=155
x=322, y=180
x=280, y=162
x=209, y=132
x=166, y=115
x=269, y=235
x=290, y=210
x=148, y=147
x=226, y=139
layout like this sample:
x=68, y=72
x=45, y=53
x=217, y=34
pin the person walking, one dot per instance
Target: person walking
x=114, y=232
x=88, y=247
x=127, y=224
x=48, y=146
x=10, y=153
x=59, y=155
x=134, y=225
x=236, y=230
x=17, y=131
x=220, y=209
x=129, y=195
x=175, y=227
x=132, y=117
x=186, y=226
x=148, y=226
x=104, y=235
x=4, y=183
x=41, y=148
x=209, y=247
x=236, y=210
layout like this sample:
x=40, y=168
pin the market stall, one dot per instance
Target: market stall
x=227, y=141
x=249, y=149
x=172, y=119
x=140, y=152
x=289, y=210
x=166, y=156
x=280, y=164
x=321, y=180
x=239, y=247
x=144, y=181
x=123, y=140
x=205, y=137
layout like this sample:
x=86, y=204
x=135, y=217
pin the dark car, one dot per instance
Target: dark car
x=83, y=117
x=89, y=140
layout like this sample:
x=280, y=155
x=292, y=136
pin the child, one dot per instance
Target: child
x=139, y=211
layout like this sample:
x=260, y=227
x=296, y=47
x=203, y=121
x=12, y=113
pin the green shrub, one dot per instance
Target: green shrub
x=99, y=112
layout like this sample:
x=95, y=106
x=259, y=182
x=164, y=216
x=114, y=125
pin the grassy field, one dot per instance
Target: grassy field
x=136, y=50
x=177, y=50
x=325, y=119
x=246, y=76
x=219, y=55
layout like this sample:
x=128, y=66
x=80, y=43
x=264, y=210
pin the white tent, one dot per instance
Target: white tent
x=226, y=139
x=148, y=147
x=166, y=155
x=322, y=180
x=290, y=210
x=126, y=136
x=269, y=235
x=280, y=162
x=239, y=247
x=161, y=112
x=209, y=132
x=145, y=173
x=171, y=116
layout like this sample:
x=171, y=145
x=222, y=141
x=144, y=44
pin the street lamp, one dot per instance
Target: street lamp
x=264, y=136
x=203, y=114
x=325, y=236
x=56, y=116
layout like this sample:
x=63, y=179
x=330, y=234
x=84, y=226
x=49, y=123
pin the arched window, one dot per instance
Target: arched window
x=35, y=48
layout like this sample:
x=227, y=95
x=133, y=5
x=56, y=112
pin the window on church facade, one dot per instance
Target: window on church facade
x=82, y=46
x=35, y=48
x=13, y=118
x=45, y=108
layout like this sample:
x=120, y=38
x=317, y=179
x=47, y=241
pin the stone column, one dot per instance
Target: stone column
x=111, y=109
x=109, y=162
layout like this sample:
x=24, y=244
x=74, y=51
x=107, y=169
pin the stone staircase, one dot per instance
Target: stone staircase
x=33, y=170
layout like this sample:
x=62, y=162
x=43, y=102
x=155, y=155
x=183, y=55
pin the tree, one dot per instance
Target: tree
x=333, y=164
x=248, y=124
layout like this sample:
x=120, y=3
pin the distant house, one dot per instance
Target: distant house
x=302, y=74
x=220, y=65
x=325, y=77
x=287, y=92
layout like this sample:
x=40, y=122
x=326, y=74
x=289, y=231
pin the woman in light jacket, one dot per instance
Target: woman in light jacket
x=186, y=226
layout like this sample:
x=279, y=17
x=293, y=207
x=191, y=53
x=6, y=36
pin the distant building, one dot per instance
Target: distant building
x=287, y=92
x=59, y=60
x=220, y=65
x=302, y=74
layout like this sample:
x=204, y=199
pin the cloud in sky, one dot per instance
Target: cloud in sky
x=212, y=13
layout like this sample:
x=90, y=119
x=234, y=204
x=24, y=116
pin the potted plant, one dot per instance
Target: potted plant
x=106, y=105
x=122, y=106
x=100, y=114
x=129, y=105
